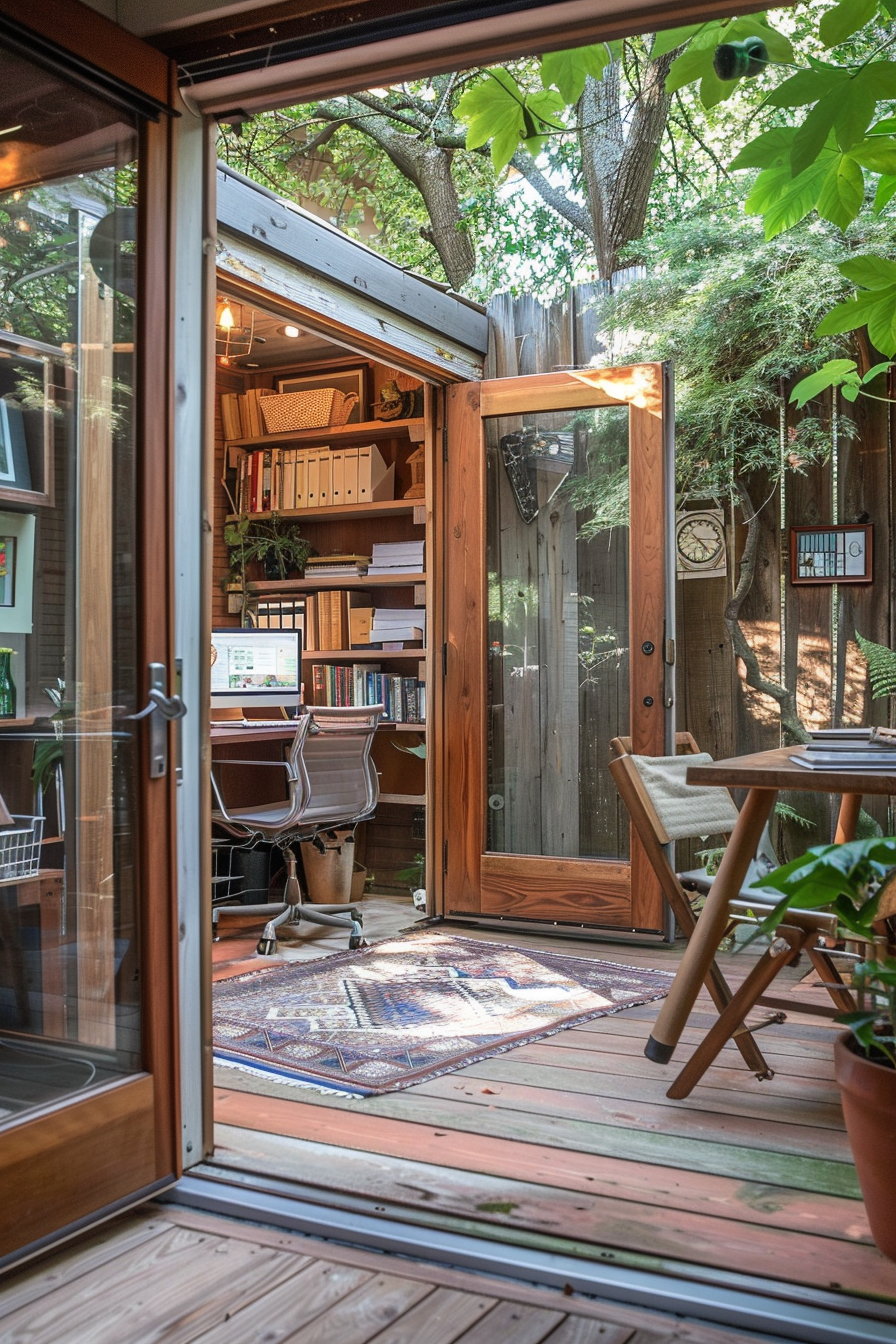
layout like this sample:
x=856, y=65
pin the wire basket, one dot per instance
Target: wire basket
x=20, y=849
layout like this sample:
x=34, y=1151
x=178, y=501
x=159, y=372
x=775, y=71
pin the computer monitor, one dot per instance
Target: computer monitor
x=256, y=668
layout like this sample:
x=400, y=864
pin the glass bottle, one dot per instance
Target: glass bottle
x=7, y=686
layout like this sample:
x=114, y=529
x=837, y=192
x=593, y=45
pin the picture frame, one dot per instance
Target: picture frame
x=838, y=554
x=7, y=571
x=16, y=612
x=353, y=379
x=15, y=471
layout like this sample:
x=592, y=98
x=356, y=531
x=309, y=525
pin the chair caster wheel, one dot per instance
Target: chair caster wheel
x=266, y=947
x=357, y=941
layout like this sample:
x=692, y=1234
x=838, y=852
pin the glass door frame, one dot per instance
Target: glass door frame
x=475, y=882
x=72, y=1162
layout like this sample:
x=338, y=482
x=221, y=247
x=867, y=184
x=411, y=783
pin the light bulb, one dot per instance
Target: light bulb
x=225, y=317
x=291, y=331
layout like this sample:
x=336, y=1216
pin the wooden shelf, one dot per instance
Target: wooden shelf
x=315, y=585
x=411, y=799
x=389, y=726
x=369, y=430
x=360, y=655
x=385, y=508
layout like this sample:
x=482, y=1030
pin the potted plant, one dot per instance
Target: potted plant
x=857, y=880
x=274, y=541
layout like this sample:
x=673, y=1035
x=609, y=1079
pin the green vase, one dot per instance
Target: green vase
x=7, y=686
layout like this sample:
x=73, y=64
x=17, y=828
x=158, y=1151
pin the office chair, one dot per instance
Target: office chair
x=663, y=808
x=331, y=783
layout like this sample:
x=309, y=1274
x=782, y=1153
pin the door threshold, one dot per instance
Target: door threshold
x=780, y=1310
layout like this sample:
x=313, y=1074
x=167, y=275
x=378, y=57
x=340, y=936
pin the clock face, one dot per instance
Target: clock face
x=700, y=540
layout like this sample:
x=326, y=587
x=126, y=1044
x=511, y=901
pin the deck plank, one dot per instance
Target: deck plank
x=360, y=1315
x=441, y=1317
x=299, y=1301
x=511, y=1321
x=540, y=1192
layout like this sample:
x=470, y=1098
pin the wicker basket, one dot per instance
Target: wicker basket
x=307, y=410
x=20, y=849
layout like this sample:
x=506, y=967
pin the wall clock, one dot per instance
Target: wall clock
x=700, y=544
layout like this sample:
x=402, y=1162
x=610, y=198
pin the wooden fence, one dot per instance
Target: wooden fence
x=803, y=636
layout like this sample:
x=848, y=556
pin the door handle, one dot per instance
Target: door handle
x=161, y=710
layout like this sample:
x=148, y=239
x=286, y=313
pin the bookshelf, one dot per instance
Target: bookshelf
x=391, y=839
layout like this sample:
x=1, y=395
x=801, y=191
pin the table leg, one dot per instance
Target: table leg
x=847, y=818
x=711, y=925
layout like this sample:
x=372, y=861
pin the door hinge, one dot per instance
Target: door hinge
x=444, y=443
x=670, y=652
x=444, y=856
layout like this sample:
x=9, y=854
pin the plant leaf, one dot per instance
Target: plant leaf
x=869, y=271
x=693, y=64
x=568, y=70
x=879, y=155
x=671, y=38
x=886, y=190
x=842, y=193
x=783, y=200
x=768, y=150
x=807, y=86
x=845, y=19
x=854, y=313
x=811, y=137
x=882, y=322
x=829, y=375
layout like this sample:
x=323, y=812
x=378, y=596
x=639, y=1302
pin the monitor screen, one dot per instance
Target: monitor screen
x=256, y=667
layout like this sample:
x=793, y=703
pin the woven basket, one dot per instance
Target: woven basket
x=307, y=410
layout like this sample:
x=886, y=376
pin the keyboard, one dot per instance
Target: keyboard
x=260, y=723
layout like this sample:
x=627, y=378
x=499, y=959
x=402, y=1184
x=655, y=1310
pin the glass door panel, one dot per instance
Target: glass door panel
x=557, y=542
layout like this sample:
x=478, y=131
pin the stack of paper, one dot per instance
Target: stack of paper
x=397, y=557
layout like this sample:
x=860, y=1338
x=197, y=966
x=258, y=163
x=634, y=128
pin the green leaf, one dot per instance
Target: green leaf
x=845, y=19
x=842, y=192
x=869, y=271
x=854, y=313
x=880, y=77
x=783, y=200
x=830, y=374
x=806, y=86
x=881, y=663
x=812, y=135
x=874, y=372
x=671, y=38
x=886, y=125
x=882, y=323
x=877, y=155
x=886, y=190
x=568, y=70
x=857, y=104
x=767, y=150
x=849, y=391
x=714, y=90
x=693, y=64
x=498, y=110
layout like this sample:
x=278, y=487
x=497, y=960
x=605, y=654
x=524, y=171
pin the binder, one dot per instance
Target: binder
x=312, y=479
x=375, y=479
x=350, y=475
x=324, y=478
x=337, y=476
x=301, y=480
x=289, y=478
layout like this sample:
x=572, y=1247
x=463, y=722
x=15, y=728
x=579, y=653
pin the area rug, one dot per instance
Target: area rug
x=410, y=1009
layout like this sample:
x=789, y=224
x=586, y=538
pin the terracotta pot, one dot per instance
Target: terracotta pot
x=869, y=1107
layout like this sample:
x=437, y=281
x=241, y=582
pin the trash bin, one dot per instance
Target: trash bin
x=328, y=873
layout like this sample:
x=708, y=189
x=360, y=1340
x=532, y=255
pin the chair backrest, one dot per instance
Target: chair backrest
x=343, y=786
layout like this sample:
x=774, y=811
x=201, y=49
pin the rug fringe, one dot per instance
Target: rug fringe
x=270, y=1077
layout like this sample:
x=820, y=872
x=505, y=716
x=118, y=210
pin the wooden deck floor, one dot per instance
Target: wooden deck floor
x=571, y=1143
x=184, y=1278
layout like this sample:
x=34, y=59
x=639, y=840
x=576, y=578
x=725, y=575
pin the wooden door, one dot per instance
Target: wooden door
x=88, y=930
x=557, y=503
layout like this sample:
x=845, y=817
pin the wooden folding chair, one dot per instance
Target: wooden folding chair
x=665, y=810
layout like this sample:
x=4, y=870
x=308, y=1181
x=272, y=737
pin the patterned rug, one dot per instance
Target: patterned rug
x=404, y=1011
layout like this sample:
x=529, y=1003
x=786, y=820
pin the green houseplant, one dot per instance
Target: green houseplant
x=274, y=541
x=858, y=881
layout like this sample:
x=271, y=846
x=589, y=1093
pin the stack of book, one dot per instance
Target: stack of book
x=276, y=613
x=336, y=566
x=859, y=749
x=273, y=479
x=394, y=627
x=397, y=557
x=241, y=413
x=330, y=621
x=403, y=698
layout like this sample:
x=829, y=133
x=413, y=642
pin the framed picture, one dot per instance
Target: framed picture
x=16, y=584
x=14, y=469
x=831, y=554
x=7, y=571
x=344, y=380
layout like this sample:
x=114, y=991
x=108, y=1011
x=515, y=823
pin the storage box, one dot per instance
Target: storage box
x=315, y=409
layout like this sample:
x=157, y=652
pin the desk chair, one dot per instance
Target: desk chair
x=331, y=783
x=664, y=808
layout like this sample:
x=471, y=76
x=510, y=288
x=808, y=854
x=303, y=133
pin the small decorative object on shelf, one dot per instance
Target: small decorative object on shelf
x=7, y=686
x=396, y=404
x=418, y=475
